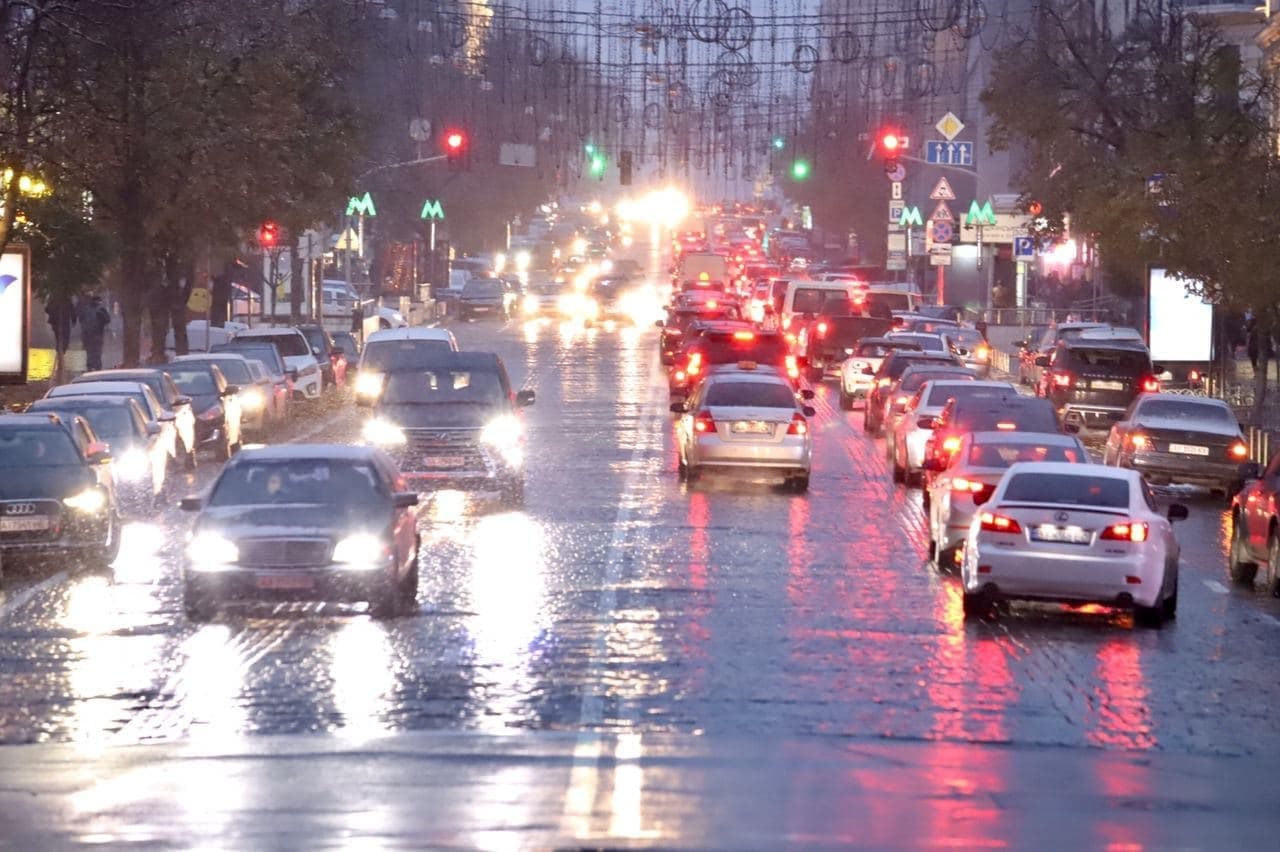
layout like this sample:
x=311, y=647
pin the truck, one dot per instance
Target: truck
x=702, y=269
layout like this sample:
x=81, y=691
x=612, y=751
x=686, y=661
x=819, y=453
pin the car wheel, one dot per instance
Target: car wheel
x=846, y=401
x=100, y=558
x=1149, y=616
x=799, y=484
x=977, y=605
x=1242, y=568
x=1170, y=605
x=198, y=608
x=1273, y=565
x=409, y=588
x=223, y=451
x=867, y=425
x=946, y=559
x=899, y=472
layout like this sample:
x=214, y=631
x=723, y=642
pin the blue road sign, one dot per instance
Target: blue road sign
x=943, y=232
x=1024, y=248
x=948, y=153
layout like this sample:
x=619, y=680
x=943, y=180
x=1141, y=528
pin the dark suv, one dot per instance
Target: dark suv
x=891, y=369
x=1091, y=383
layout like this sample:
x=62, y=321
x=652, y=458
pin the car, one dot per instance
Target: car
x=543, y=298
x=1180, y=439
x=332, y=359
x=971, y=347
x=857, y=372
x=1033, y=348
x=1007, y=413
x=899, y=394
x=253, y=395
x=966, y=479
x=57, y=497
x=910, y=433
x=396, y=348
x=891, y=368
x=1073, y=533
x=679, y=319
x=483, y=298
x=300, y=361
x=1255, y=526
x=827, y=341
x=452, y=419
x=928, y=342
x=277, y=396
x=266, y=354
x=303, y=522
x=217, y=405
x=171, y=399
x=151, y=406
x=745, y=418
x=1092, y=384
x=349, y=344
x=718, y=345
x=139, y=461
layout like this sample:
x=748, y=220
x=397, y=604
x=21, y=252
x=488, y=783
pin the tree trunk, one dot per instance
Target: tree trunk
x=1263, y=330
x=133, y=278
x=297, y=287
x=181, y=294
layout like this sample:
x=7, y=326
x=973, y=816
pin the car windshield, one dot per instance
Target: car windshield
x=235, y=371
x=483, y=287
x=193, y=379
x=315, y=336
x=325, y=482
x=965, y=338
x=1120, y=360
x=111, y=422
x=268, y=355
x=938, y=396
x=895, y=367
x=46, y=446
x=1178, y=409
x=927, y=342
x=403, y=354
x=1004, y=454
x=290, y=345
x=750, y=395
x=914, y=380
x=443, y=385
x=1068, y=489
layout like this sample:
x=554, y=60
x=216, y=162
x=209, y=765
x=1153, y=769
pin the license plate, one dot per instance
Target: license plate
x=286, y=582
x=1064, y=535
x=753, y=427
x=443, y=461
x=24, y=524
x=479, y=309
x=1112, y=386
x=1189, y=449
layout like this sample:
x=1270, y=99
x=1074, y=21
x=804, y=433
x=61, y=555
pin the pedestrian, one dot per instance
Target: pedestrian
x=62, y=314
x=94, y=319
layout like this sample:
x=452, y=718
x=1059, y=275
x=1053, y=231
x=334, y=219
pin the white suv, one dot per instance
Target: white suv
x=298, y=356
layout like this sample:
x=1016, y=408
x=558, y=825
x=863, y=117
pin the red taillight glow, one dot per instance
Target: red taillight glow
x=1193, y=376
x=744, y=336
x=822, y=329
x=704, y=422
x=1239, y=450
x=1063, y=380
x=695, y=364
x=951, y=444
x=999, y=523
x=1135, y=531
x=966, y=485
x=793, y=368
x=799, y=426
x=1005, y=426
x=1150, y=385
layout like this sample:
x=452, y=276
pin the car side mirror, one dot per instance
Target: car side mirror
x=808, y=410
x=659, y=324
x=167, y=417
x=190, y=504
x=181, y=400
x=1178, y=512
x=933, y=464
x=679, y=408
x=1250, y=470
x=315, y=350
x=405, y=499
x=927, y=423
x=1042, y=361
x=153, y=428
x=525, y=398
x=231, y=390
x=806, y=393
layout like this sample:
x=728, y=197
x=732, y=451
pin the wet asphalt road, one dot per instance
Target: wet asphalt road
x=622, y=611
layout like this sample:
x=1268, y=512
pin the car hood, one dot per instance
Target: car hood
x=438, y=416
x=36, y=482
x=293, y=519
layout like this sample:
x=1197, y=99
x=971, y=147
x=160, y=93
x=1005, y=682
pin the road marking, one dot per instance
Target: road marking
x=15, y=602
x=1216, y=587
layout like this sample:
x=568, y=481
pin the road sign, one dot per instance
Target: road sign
x=358, y=206
x=897, y=255
x=943, y=232
x=896, y=209
x=940, y=254
x=942, y=213
x=349, y=240
x=1007, y=228
x=432, y=209
x=980, y=214
x=948, y=153
x=897, y=174
x=200, y=300
x=895, y=190
x=942, y=191
x=1024, y=248
x=949, y=126
x=910, y=216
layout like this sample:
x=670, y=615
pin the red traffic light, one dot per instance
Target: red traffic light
x=455, y=141
x=269, y=234
x=890, y=142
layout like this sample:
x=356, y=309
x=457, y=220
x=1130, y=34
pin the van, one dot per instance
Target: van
x=806, y=298
x=338, y=299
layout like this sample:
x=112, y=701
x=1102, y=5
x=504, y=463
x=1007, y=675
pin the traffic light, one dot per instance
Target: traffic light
x=269, y=235
x=891, y=145
x=800, y=170
x=455, y=146
x=624, y=168
x=779, y=143
x=596, y=166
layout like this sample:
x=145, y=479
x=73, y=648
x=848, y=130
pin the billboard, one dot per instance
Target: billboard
x=1179, y=325
x=15, y=313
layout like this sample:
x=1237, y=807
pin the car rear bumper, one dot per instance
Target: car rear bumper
x=1170, y=467
x=1025, y=574
x=792, y=454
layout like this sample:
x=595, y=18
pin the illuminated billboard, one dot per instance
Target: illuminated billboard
x=15, y=313
x=1180, y=324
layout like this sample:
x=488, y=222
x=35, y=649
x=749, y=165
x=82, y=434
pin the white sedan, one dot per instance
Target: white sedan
x=1073, y=533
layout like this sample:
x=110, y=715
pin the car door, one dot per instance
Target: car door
x=1260, y=506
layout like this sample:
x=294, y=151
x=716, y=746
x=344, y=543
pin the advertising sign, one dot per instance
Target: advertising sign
x=1180, y=325
x=15, y=313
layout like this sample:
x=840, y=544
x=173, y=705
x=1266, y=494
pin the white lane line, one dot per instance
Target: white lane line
x=15, y=602
x=1216, y=587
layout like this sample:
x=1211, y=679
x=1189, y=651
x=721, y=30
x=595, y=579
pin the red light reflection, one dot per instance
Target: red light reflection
x=1120, y=717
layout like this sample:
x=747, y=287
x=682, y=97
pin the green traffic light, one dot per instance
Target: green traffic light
x=800, y=170
x=589, y=148
x=597, y=165
x=779, y=143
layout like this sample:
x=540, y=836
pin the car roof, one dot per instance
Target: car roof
x=1091, y=471
x=761, y=372
x=89, y=388
x=448, y=358
x=1106, y=343
x=126, y=375
x=974, y=383
x=893, y=341
x=416, y=332
x=1197, y=400
x=208, y=356
x=265, y=331
x=42, y=419
x=84, y=399
x=285, y=452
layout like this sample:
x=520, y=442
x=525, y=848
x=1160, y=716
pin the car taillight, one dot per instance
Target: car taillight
x=695, y=364
x=744, y=336
x=822, y=329
x=786, y=322
x=1063, y=380
x=1135, y=531
x=951, y=444
x=1139, y=441
x=992, y=522
x=799, y=426
x=1150, y=384
x=884, y=381
x=793, y=369
x=704, y=422
x=1193, y=377
x=982, y=351
x=1239, y=450
x=1006, y=426
x=967, y=485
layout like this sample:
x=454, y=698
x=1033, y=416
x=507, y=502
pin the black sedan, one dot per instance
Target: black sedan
x=1180, y=439
x=304, y=522
x=483, y=297
x=56, y=494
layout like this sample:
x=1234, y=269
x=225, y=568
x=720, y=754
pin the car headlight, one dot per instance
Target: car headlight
x=210, y=551
x=132, y=465
x=369, y=384
x=361, y=552
x=253, y=399
x=90, y=500
x=383, y=433
x=506, y=435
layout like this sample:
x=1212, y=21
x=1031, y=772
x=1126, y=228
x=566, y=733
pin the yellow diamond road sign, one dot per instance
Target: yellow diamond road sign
x=949, y=126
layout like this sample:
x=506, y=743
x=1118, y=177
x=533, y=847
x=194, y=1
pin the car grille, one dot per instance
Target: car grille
x=21, y=511
x=284, y=552
x=445, y=450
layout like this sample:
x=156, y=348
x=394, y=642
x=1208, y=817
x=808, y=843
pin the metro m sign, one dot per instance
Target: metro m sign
x=432, y=209
x=358, y=206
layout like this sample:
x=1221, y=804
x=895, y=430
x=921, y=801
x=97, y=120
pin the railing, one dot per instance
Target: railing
x=1026, y=317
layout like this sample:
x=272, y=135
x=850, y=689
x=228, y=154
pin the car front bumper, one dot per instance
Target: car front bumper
x=322, y=583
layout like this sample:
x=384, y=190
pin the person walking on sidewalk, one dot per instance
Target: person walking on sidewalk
x=61, y=312
x=93, y=319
